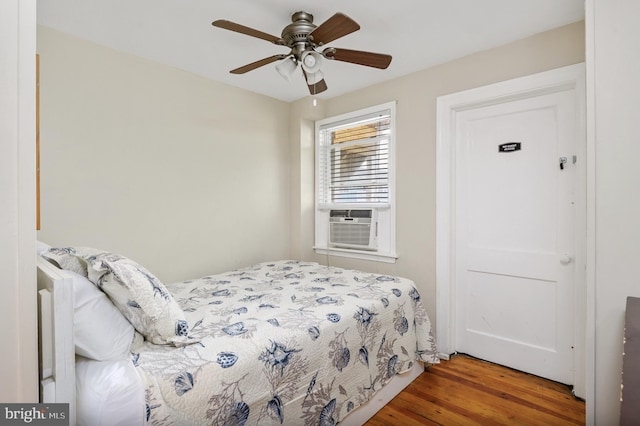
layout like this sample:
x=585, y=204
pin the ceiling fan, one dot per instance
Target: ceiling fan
x=306, y=41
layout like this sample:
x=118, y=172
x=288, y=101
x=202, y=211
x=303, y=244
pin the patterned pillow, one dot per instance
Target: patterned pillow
x=71, y=258
x=141, y=298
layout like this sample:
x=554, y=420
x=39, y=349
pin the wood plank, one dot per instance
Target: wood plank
x=398, y=414
x=468, y=391
x=553, y=397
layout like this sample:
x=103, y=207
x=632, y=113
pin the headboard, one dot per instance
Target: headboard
x=55, y=337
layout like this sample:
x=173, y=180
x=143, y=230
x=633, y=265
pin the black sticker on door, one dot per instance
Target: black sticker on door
x=510, y=147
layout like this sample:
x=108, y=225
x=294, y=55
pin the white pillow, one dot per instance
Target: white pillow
x=100, y=331
x=109, y=393
x=41, y=247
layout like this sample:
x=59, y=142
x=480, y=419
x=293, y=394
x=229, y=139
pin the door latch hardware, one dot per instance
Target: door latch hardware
x=563, y=160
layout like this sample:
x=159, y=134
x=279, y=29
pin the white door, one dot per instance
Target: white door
x=515, y=237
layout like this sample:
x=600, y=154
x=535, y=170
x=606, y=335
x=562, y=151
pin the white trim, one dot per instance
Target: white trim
x=590, y=340
x=19, y=360
x=357, y=254
x=445, y=274
x=353, y=206
x=569, y=77
x=361, y=112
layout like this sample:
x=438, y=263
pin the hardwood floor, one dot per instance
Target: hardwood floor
x=468, y=391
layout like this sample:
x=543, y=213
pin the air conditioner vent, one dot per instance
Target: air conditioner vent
x=353, y=229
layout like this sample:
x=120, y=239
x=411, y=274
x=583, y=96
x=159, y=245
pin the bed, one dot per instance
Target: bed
x=283, y=342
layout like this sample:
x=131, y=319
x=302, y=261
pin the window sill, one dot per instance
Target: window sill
x=358, y=254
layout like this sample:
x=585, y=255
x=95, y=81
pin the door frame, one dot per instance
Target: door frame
x=571, y=77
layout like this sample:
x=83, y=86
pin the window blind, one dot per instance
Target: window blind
x=354, y=160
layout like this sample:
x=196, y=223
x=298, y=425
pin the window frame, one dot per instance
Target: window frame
x=386, y=212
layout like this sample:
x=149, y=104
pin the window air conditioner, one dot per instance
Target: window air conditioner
x=355, y=229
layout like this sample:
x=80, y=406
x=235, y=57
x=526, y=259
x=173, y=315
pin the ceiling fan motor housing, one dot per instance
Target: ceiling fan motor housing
x=296, y=34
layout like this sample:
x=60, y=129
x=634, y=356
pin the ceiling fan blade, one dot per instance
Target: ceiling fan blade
x=257, y=64
x=319, y=87
x=316, y=88
x=232, y=26
x=339, y=25
x=369, y=59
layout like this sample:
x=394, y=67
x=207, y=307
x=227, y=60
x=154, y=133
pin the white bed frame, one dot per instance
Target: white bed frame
x=57, y=349
x=55, y=335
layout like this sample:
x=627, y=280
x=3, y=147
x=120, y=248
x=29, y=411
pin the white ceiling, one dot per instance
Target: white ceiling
x=417, y=33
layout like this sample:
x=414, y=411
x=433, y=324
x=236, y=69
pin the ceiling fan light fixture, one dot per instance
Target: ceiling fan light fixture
x=286, y=68
x=311, y=61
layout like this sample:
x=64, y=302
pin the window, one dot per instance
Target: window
x=355, y=164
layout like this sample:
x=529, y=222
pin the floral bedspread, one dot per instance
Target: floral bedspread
x=284, y=342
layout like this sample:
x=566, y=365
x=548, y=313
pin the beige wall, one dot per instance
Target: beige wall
x=416, y=140
x=159, y=164
x=302, y=135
